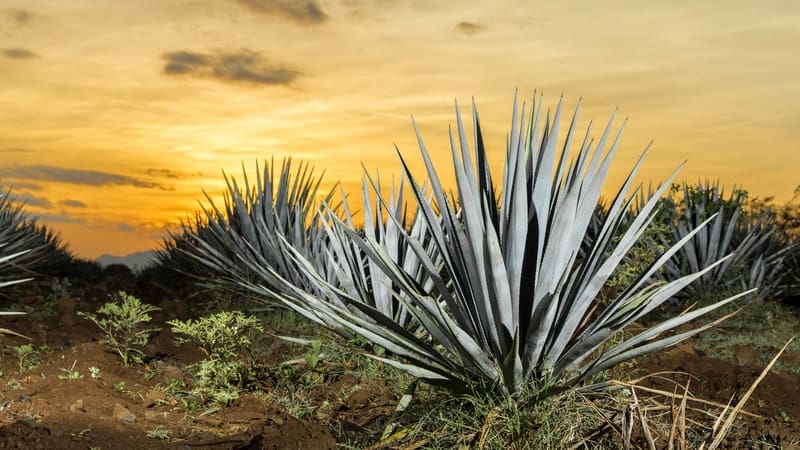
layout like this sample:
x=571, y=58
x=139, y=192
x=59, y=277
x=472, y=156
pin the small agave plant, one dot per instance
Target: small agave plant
x=756, y=259
x=508, y=296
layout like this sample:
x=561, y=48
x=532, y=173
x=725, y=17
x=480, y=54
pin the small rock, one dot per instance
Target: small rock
x=155, y=415
x=173, y=373
x=277, y=420
x=122, y=413
x=77, y=406
x=746, y=355
x=210, y=421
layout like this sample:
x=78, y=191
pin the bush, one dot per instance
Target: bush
x=123, y=326
x=223, y=337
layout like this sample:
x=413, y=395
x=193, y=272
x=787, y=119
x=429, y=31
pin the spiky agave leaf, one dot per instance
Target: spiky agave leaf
x=512, y=301
x=3, y=260
x=389, y=223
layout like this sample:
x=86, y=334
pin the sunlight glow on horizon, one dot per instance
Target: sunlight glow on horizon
x=117, y=117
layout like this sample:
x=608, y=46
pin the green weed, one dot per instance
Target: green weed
x=123, y=326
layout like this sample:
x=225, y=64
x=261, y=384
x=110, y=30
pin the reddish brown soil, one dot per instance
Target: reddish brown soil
x=774, y=422
x=40, y=409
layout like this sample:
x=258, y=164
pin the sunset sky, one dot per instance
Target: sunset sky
x=115, y=116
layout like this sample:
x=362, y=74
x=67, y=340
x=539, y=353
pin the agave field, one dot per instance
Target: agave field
x=520, y=309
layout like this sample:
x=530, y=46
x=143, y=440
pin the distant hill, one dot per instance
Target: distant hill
x=136, y=261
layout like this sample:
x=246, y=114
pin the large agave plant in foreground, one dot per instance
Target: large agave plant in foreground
x=511, y=303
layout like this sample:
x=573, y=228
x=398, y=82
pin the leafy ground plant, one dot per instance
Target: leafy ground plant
x=124, y=326
x=27, y=356
x=224, y=338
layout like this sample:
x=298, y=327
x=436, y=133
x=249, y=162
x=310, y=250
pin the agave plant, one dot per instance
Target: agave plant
x=510, y=304
x=757, y=258
x=3, y=260
x=246, y=237
x=389, y=223
x=37, y=249
x=249, y=225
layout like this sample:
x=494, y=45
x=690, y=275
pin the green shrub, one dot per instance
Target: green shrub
x=27, y=356
x=124, y=326
x=223, y=337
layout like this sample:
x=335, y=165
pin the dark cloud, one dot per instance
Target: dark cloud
x=69, y=203
x=18, y=53
x=301, y=11
x=469, y=28
x=78, y=176
x=171, y=174
x=31, y=200
x=124, y=227
x=17, y=185
x=243, y=66
x=59, y=218
x=20, y=16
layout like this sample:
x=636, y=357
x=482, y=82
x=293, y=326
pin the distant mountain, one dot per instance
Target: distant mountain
x=136, y=261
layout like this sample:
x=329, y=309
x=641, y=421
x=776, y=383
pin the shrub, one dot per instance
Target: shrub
x=223, y=337
x=123, y=324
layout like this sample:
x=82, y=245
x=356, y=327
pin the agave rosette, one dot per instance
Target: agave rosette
x=246, y=231
x=756, y=258
x=510, y=303
x=35, y=248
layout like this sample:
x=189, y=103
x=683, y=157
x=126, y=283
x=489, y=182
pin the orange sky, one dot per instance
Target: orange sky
x=114, y=116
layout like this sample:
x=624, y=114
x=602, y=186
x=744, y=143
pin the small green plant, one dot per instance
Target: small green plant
x=158, y=433
x=71, y=373
x=95, y=372
x=223, y=337
x=123, y=325
x=119, y=386
x=27, y=356
x=311, y=359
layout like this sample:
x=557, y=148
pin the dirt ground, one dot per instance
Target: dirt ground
x=774, y=407
x=43, y=408
x=122, y=409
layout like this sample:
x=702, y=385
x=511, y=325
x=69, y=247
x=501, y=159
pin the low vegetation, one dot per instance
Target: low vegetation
x=124, y=325
x=225, y=339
